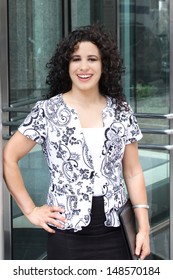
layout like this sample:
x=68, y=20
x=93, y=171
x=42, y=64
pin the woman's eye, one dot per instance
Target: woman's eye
x=92, y=59
x=75, y=59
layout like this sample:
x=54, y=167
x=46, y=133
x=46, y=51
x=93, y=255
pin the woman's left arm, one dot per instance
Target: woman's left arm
x=134, y=179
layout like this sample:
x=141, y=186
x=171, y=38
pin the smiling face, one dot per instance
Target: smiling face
x=85, y=67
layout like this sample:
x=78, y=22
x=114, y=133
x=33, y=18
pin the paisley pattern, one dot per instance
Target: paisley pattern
x=56, y=127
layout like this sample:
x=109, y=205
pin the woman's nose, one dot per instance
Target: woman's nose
x=84, y=65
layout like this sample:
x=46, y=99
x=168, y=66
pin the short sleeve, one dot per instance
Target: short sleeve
x=34, y=125
x=133, y=131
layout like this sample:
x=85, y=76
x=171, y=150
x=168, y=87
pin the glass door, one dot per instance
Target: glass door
x=145, y=47
x=34, y=28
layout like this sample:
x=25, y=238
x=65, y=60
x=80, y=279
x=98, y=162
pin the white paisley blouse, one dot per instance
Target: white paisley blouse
x=57, y=128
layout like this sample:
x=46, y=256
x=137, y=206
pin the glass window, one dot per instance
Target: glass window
x=144, y=33
x=145, y=49
x=86, y=12
x=35, y=27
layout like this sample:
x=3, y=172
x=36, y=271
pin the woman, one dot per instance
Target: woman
x=88, y=135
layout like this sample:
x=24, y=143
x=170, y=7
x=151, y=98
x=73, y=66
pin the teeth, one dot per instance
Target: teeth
x=84, y=76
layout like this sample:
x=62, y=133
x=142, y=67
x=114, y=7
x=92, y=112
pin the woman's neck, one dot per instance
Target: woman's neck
x=86, y=98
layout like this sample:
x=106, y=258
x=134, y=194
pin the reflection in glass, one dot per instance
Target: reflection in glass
x=35, y=27
x=144, y=29
x=155, y=165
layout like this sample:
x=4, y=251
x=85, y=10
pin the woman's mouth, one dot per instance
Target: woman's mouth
x=84, y=77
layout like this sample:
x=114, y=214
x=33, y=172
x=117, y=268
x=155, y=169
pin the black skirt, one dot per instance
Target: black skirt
x=94, y=242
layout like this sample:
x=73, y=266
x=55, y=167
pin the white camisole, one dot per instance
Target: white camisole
x=95, y=138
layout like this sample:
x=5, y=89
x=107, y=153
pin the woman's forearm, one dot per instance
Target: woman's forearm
x=138, y=195
x=16, y=187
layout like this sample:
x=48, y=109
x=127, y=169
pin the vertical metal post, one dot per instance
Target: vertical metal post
x=118, y=23
x=1, y=191
x=66, y=17
x=125, y=38
x=5, y=219
x=1, y=180
x=171, y=126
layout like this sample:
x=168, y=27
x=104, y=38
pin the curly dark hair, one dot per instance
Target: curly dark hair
x=110, y=83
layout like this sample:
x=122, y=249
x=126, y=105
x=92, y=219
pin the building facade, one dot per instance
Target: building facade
x=29, y=32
